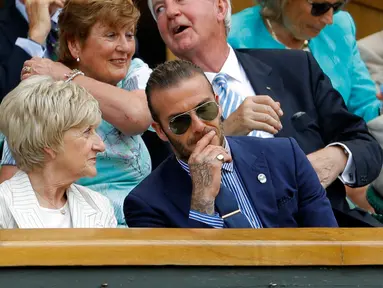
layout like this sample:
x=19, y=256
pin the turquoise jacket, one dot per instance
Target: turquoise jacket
x=334, y=48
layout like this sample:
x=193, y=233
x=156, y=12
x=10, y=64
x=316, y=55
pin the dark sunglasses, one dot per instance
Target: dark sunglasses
x=319, y=9
x=207, y=111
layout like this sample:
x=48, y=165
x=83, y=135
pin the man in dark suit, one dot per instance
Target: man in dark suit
x=276, y=93
x=214, y=181
x=24, y=28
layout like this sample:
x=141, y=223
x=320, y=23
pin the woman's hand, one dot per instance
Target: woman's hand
x=44, y=66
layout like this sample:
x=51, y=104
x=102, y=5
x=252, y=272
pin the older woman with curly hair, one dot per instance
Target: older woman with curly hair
x=50, y=127
x=95, y=51
x=319, y=27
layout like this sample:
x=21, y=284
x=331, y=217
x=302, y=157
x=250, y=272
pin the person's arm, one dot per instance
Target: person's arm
x=314, y=207
x=126, y=110
x=362, y=100
x=338, y=125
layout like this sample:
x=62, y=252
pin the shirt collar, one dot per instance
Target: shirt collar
x=231, y=67
x=21, y=7
x=229, y=167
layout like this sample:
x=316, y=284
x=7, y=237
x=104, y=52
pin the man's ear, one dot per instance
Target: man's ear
x=222, y=9
x=156, y=126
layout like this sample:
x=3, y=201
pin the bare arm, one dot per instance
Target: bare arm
x=126, y=110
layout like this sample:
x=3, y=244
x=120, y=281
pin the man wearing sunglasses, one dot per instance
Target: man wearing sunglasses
x=216, y=181
x=275, y=93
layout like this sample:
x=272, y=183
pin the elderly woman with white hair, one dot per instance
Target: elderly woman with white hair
x=50, y=127
x=320, y=27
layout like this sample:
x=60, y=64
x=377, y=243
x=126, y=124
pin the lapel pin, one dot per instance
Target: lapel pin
x=262, y=178
x=268, y=88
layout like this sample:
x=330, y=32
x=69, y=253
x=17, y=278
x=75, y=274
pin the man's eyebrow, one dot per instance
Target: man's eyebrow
x=202, y=102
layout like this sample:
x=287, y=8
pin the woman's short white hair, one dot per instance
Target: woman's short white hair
x=36, y=114
x=227, y=17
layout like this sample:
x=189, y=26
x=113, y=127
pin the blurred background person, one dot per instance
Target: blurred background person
x=51, y=131
x=319, y=27
x=97, y=38
x=371, y=51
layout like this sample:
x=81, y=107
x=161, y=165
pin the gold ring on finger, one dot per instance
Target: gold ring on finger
x=27, y=69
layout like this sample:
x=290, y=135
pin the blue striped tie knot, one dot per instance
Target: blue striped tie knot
x=220, y=80
x=228, y=99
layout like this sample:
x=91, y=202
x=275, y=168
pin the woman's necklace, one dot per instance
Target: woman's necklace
x=62, y=209
x=304, y=45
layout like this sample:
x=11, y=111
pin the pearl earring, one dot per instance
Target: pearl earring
x=78, y=59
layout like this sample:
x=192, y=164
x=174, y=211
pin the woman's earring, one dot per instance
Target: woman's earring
x=78, y=59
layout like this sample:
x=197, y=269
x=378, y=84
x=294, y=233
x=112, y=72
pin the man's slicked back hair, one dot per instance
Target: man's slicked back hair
x=170, y=74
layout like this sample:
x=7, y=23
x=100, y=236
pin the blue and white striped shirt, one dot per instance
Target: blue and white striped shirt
x=233, y=182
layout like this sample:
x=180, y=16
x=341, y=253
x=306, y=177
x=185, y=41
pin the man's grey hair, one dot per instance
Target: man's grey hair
x=227, y=17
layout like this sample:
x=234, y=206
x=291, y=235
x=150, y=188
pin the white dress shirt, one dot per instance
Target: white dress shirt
x=240, y=84
x=32, y=48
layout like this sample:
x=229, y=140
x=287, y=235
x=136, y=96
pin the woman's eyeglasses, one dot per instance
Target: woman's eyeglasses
x=319, y=9
x=207, y=111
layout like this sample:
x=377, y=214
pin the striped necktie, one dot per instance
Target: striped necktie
x=228, y=99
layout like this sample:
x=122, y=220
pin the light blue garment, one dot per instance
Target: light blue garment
x=334, y=48
x=126, y=160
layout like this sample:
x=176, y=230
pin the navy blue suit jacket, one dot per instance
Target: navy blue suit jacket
x=12, y=57
x=291, y=197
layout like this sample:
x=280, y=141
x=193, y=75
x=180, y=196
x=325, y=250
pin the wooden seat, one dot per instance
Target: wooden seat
x=191, y=258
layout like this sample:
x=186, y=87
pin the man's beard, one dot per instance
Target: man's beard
x=182, y=151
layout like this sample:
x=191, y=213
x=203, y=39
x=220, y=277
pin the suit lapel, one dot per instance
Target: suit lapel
x=249, y=165
x=25, y=209
x=83, y=214
x=265, y=82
